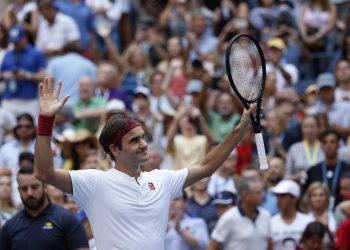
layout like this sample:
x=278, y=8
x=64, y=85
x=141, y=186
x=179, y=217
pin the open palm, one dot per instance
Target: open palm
x=49, y=98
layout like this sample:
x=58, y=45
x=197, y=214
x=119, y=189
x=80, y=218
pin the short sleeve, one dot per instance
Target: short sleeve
x=84, y=184
x=222, y=230
x=176, y=181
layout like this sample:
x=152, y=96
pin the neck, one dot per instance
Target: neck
x=249, y=210
x=331, y=161
x=345, y=85
x=318, y=212
x=35, y=213
x=289, y=215
x=311, y=141
x=189, y=132
x=25, y=143
x=201, y=197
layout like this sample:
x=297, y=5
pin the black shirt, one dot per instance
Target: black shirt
x=56, y=228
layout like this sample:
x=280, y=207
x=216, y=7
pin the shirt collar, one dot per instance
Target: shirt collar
x=243, y=214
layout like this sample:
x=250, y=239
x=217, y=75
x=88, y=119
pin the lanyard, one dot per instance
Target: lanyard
x=311, y=157
x=335, y=176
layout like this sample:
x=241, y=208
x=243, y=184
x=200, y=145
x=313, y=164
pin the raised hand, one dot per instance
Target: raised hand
x=49, y=98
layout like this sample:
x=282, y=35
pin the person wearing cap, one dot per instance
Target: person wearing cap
x=287, y=74
x=245, y=226
x=288, y=225
x=127, y=208
x=55, y=29
x=223, y=201
x=337, y=112
x=330, y=170
x=22, y=67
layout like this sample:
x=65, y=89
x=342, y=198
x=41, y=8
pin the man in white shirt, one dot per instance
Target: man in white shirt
x=127, y=208
x=55, y=29
x=288, y=225
x=342, y=74
x=245, y=226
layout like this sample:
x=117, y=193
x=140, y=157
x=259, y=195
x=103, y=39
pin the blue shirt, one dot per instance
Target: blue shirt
x=28, y=59
x=70, y=68
x=54, y=228
x=83, y=16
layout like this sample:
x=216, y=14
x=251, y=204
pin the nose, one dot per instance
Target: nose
x=30, y=191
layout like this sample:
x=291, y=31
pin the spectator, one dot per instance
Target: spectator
x=200, y=204
x=286, y=73
x=342, y=75
x=155, y=159
x=288, y=225
x=88, y=108
x=342, y=210
x=25, y=159
x=307, y=153
x=228, y=232
x=87, y=227
x=329, y=170
x=78, y=67
x=22, y=68
x=59, y=228
x=184, y=231
x=55, y=29
x=343, y=233
x=56, y=196
x=312, y=237
x=222, y=179
x=7, y=206
x=336, y=111
x=223, y=201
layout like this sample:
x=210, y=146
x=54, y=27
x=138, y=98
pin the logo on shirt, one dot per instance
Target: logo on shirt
x=48, y=225
x=151, y=186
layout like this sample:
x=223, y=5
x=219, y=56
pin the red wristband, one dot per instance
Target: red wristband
x=45, y=125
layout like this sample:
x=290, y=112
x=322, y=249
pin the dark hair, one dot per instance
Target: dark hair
x=113, y=125
x=26, y=156
x=71, y=47
x=24, y=116
x=26, y=170
x=345, y=175
x=313, y=229
x=328, y=132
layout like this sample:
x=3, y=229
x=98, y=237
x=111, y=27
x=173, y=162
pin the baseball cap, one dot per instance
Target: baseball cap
x=142, y=90
x=325, y=80
x=115, y=106
x=287, y=187
x=277, y=43
x=16, y=34
x=224, y=198
x=194, y=86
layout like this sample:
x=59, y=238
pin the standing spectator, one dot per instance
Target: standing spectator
x=78, y=66
x=288, y=225
x=337, y=112
x=55, y=29
x=41, y=225
x=184, y=231
x=245, y=226
x=200, y=204
x=342, y=75
x=7, y=206
x=329, y=170
x=22, y=68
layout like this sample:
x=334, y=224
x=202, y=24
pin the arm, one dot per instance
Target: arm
x=214, y=245
x=44, y=169
x=219, y=154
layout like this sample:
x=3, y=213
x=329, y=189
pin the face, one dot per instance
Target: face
x=134, y=147
x=309, y=128
x=314, y=243
x=24, y=129
x=177, y=206
x=32, y=191
x=345, y=188
x=48, y=13
x=342, y=72
x=326, y=94
x=5, y=187
x=137, y=59
x=198, y=24
x=91, y=162
x=286, y=202
x=276, y=170
x=86, y=88
x=271, y=121
x=318, y=199
x=330, y=146
x=227, y=168
x=225, y=104
x=174, y=46
x=155, y=159
x=82, y=147
x=141, y=102
x=255, y=195
x=105, y=74
x=156, y=85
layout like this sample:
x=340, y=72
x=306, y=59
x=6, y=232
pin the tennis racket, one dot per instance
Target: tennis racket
x=246, y=70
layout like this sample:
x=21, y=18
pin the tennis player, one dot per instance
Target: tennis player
x=127, y=208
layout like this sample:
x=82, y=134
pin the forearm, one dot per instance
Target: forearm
x=171, y=133
x=43, y=159
x=206, y=131
x=189, y=238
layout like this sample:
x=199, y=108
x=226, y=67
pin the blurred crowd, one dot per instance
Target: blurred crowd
x=163, y=63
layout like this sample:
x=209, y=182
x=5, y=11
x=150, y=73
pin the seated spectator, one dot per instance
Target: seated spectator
x=22, y=68
x=39, y=215
x=312, y=236
x=184, y=231
x=7, y=206
x=288, y=225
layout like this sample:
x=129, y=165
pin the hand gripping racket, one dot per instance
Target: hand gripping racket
x=246, y=70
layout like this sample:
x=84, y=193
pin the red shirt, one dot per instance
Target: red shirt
x=343, y=235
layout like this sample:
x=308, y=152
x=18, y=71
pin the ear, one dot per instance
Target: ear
x=114, y=150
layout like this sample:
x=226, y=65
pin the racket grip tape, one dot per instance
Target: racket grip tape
x=261, y=151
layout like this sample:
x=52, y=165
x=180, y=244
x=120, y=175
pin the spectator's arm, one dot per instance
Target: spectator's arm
x=32, y=27
x=166, y=14
x=214, y=245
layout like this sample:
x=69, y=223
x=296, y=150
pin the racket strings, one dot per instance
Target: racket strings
x=246, y=68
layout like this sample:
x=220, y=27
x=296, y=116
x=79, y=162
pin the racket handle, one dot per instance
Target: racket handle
x=261, y=151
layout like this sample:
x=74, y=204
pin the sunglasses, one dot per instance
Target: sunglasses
x=24, y=126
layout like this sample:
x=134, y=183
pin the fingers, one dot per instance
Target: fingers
x=51, y=82
x=64, y=100
x=40, y=89
x=58, y=89
x=44, y=85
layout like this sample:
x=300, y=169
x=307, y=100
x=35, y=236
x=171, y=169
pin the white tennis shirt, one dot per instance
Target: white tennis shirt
x=125, y=214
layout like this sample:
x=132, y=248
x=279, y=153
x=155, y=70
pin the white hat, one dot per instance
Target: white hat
x=287, y=187
x=115, y=105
